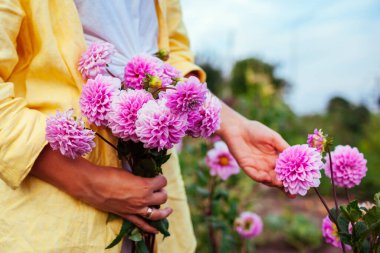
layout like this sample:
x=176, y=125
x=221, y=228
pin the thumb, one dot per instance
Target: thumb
x=279, y=143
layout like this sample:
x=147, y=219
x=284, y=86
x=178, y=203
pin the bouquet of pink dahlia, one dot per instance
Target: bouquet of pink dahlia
x=150, y=109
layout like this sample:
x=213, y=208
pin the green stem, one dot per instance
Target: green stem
x=324, y=204
x=211, y=231
x=104, y=139
x=347, y=195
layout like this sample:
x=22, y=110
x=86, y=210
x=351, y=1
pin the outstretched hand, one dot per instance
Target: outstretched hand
x=254, y=146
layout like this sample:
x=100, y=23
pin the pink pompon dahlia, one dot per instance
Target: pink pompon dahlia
x=169, y=74
x=94, y=61
x=349, y=166
x=249, y=225
x=96, y=98
x=221, y=161
x=206, y=121
x=317, y=140
x=298, y=167
x=68, y=135
x=139, y=67
x=123, y=114
x=158, y=128
x=188, y=96
x=331, y=235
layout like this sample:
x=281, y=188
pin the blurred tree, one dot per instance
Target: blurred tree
x=214, y=78
x=253, y=71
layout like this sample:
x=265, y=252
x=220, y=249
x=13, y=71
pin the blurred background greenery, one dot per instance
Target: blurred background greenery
x=254, y=89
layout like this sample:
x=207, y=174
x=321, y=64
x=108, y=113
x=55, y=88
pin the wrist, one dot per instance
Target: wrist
x=231, y=121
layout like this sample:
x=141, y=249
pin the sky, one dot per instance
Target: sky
x=324, y=48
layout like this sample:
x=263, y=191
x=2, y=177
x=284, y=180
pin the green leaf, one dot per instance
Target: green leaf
x=361, y=231
x=162, y=226
x=372, y=217
x=111, y=217
x=352, y=211
x=346, y=238
x=126, y=228
x=202, y=191
x=135, y=235
x=343, y=223
x=141, y=247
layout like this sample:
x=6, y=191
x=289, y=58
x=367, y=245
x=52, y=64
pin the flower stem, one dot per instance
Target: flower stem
x=211, y=232
x=347, y=195
x=324, y=204
x=333, y=183
x=104, y=139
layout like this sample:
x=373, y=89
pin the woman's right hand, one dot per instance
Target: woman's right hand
x=105, y=188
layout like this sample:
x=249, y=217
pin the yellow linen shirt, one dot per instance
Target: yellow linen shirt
x=40, y=44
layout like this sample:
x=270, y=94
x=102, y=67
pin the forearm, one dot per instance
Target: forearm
x=230, y=120
x=70, y=175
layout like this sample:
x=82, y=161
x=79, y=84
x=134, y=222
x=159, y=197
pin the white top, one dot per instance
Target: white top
x=130, y=25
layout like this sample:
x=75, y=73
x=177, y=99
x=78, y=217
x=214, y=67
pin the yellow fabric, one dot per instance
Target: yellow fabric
x=40, y=44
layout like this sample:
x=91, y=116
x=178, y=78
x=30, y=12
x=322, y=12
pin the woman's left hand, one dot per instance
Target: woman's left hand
x=254, y=146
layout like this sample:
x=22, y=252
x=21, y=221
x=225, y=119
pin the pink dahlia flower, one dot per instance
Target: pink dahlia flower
x=317, y=140
x=349, y=166
x=249, y=225
x=169, y=74
x=94, y=61
x=298, y=167
x=188, y=96
x=96, y=98
x=206, y=121
x=69, y=136
x=331, y=235
x=221, y=161
x=157, y=127
x=138, y=68
x=123, y=114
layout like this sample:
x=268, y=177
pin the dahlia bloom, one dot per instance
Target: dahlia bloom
x=298, y=167
x=221, y=161
x=188, y=96
x=96, y=98
x=169, y=74
x=157, y=127
x=94, y=61
x=349, y=166
x=317, y=140
x=249, y=225
x=206, y=121
x=331, y=235
x=69, y=136
x=123, y=114
x=138, y=68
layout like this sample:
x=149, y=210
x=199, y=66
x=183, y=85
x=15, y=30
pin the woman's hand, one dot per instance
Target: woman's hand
x=105, y=188
x=254, y=146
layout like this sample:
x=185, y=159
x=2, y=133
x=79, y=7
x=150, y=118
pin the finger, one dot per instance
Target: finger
x=159, y=214
x=157, y=183
x=279, y=143
x=258, y=175
x=141, y=223
x=158, y=198
x=275, y=181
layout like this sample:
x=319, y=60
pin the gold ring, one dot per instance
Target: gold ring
x=149, y=213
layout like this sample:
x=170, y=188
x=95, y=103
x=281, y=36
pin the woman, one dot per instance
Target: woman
x=50, y=203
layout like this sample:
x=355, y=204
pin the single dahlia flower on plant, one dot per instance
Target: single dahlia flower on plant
x=123, y=114
x=349, y=166
x=317, y=140
x=94, y=61
x=139, y=68
x=188, y=96
x=96, y=98
x=331, y=235
x=205, y=121
x=249, y=225
x=221, y=162
x=298, y=167
x=157, y=127
x=68, y=135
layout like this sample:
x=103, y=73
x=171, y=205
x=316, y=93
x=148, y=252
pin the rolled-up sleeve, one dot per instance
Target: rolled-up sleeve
x=180, y=55
x=22, y=130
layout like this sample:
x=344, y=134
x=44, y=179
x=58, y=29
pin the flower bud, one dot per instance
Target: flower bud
x=162, y=54
x=317, y=140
